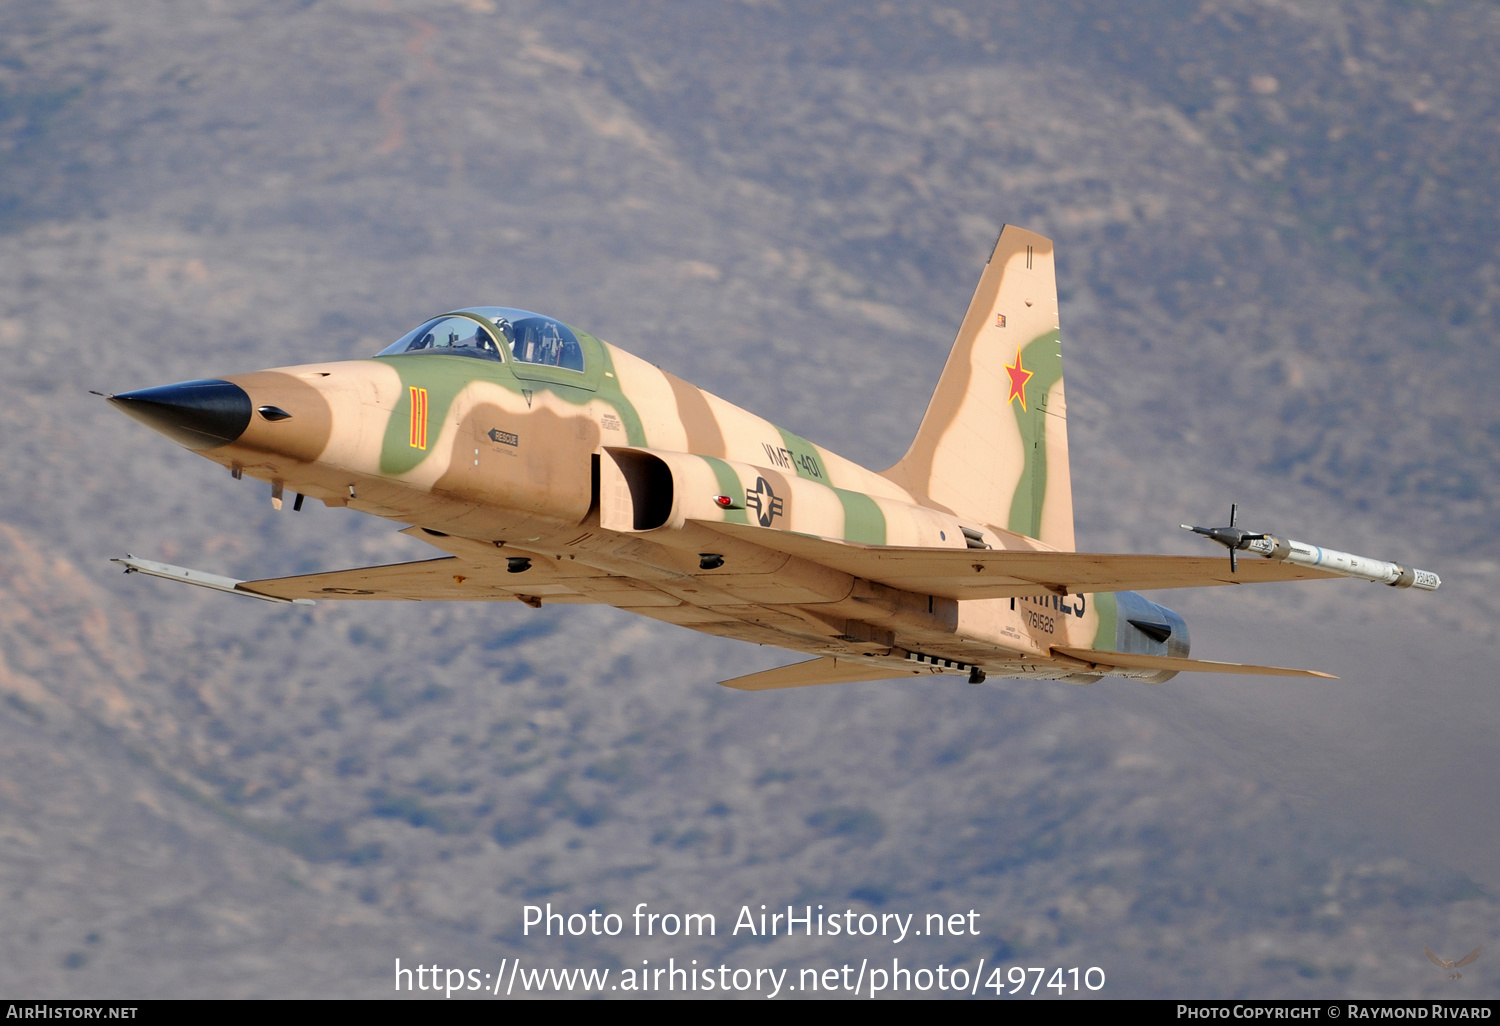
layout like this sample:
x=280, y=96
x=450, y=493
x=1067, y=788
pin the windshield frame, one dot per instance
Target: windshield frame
x=500, y=354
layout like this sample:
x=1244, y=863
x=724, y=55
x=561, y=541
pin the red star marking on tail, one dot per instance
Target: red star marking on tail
x=1018, y=377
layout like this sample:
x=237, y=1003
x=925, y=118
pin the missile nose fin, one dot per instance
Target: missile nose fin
x=204, y=414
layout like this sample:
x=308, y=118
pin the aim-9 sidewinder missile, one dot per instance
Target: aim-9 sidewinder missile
x=1345, y=564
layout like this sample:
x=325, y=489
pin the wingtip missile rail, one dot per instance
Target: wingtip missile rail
x=201, y=579
x=1345, y=564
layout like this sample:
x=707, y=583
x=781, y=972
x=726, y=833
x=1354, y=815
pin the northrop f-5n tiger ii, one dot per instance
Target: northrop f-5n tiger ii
x=553, y=467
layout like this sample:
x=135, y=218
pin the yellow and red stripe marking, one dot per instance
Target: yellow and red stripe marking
x=418, y=418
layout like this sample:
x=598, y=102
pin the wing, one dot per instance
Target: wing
x=1434, y=959
x=452, y=579
x=1470, y=957
x=446, y=578
x=1011, y=573
x=823, y=670
x=1132, y=661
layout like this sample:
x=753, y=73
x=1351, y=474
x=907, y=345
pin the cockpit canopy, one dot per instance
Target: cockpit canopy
x=481, y=332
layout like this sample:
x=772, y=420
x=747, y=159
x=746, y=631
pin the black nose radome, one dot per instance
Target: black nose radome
x=198, y=414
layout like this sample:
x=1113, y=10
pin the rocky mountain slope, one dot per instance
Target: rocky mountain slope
x=1277, y=265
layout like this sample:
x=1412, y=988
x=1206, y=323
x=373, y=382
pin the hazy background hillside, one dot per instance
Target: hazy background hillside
x=1279, y=261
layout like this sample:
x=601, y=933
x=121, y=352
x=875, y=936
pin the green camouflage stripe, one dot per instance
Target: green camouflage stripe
x=443, y=377
x=1043, y=357
x=863, y=520
x=1107, y=608
x=610, y=391
x=730, y=485
x=805, y=459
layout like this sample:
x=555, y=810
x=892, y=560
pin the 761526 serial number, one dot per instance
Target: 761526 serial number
x=1039, y=621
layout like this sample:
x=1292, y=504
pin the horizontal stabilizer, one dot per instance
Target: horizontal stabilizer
x=1014, y=573
x=823, y=670
x=1133, y=661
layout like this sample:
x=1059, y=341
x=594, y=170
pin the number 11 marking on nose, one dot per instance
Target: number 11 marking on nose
x=418, y=418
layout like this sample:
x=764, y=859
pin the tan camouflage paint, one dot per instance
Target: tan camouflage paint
x=982, y=451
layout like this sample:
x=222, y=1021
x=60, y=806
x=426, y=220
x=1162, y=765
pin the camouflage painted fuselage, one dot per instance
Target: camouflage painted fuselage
x=622, y=484
x=553, y=467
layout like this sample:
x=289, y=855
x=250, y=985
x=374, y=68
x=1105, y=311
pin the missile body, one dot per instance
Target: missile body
x=1344, y=563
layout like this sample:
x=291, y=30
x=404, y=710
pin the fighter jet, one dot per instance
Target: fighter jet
x=553, y=467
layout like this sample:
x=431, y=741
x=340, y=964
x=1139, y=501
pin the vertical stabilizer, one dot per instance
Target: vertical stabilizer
x=993, y=445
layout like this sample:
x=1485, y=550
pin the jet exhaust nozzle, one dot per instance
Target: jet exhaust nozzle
x=204, y=414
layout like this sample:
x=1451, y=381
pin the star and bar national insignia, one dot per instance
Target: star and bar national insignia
x=1018, y=377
